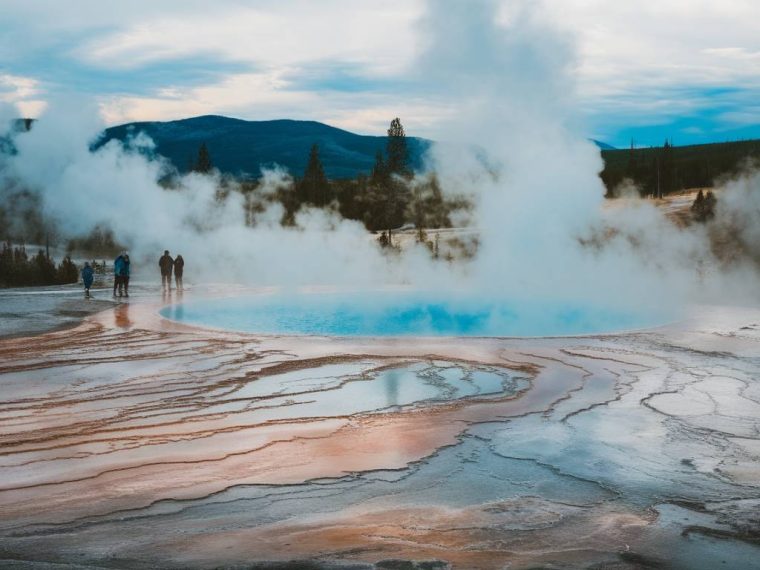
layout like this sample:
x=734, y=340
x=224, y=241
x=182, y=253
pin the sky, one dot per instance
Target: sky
x=645, y=71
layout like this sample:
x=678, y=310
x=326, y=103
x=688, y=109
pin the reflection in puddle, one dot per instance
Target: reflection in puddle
x=363, y=387
x=121, y=316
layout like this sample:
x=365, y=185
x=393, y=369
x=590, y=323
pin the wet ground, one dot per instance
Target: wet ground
x=31, y=310
x=130, y=441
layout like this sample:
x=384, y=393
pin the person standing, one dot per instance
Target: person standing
x=88, y=274
x=125, y=274
x=179, y=269
x=166, y=263
x=118, y=269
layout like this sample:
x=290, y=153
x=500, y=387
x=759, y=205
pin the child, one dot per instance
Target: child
x=87, y=276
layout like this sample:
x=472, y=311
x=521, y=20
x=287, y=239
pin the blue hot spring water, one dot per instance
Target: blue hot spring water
x=406, y=314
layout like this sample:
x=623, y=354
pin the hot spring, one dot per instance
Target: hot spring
x=408, y=314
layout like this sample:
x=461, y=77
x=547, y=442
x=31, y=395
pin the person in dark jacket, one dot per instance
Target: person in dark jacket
x=179, y=269
x=125, y=274
x=166, y=263
x=88, y=275
x=118, y=269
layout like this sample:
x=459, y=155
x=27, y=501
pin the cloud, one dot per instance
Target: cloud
x=230, y=94
x=277, y=34
x=15, y=87
x=652, y=61
x=21, y=92
x=747, y=116
x=274, y=96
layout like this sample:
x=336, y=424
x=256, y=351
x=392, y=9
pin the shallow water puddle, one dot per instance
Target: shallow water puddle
x=344, y=389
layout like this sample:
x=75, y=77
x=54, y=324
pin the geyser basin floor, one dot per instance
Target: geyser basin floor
x=378, y=313
x=135, y=442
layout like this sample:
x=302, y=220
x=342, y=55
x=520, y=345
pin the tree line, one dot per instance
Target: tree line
x=391, y=196
x=659, y=171
x=18, y=269
x=388, y=197
x=385, y=199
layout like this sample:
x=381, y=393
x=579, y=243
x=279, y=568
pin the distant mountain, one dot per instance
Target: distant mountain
x=241, y=147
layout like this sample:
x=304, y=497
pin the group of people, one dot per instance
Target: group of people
x=167, y=265
x=122, y=269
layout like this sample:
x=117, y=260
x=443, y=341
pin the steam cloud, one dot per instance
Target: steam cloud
x=508, y=73
x=515, y=145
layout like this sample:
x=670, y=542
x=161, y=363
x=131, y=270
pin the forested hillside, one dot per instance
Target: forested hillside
x=658, y=171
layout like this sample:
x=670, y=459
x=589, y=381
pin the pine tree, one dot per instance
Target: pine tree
x=314, y=188
x=427, y=207
x=398, y=153
x=44, y=269
x=397, y=165
x=203, y=163
x=667, y=170
x=376, y=195
x=698, y=207
x=380, y=169
x=709, y=205
x=67, y=271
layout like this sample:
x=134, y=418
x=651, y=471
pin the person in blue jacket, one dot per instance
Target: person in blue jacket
x=118, y=271
x=88, y=274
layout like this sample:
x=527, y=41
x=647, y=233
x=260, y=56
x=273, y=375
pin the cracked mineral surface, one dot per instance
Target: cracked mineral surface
x=131, y=441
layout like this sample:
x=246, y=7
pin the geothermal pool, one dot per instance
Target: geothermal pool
x=128, y=443
x=408, y=314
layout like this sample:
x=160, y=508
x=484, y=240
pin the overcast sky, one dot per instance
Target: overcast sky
x=646, y=70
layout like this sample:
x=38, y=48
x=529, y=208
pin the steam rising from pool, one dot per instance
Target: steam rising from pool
x=406, y=314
